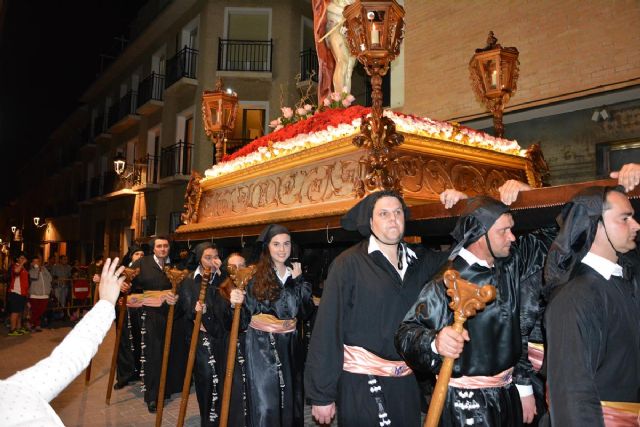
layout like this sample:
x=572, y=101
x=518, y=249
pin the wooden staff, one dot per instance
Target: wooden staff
x=186, y=385
x=130, y=274
x=466, y=299
x=175, y=276
x=240, y=277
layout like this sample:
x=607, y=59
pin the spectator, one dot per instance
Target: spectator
x=39, y=291
x=25, y=396
x=17, y=298
x=61, y=272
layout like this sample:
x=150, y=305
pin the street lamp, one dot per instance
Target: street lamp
x=36, y=222
x=375, y=30
x=494, y=74
x=119, y=163
x=219, y=109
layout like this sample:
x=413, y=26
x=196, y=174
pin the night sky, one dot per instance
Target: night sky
x=49, y=55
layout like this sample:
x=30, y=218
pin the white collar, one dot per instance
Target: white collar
x=167, y=261
x=406, y=254
x=471, y=258
x=605, y=267
x=287, y=273
x=199, y=272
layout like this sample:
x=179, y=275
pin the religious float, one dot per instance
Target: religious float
x=308, y=173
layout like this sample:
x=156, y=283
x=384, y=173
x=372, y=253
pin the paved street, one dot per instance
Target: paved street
x=80, y=405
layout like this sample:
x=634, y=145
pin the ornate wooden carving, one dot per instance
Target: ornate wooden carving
x=192, y=199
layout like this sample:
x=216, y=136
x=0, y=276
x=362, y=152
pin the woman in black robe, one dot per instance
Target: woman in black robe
x=276, y=298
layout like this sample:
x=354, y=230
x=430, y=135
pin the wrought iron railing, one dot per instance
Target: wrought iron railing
x=175, y=160
x=245, y=55
x=125, y=106
x=147, y=169
x=308, y=65
x=182, y=64
x=151, y=88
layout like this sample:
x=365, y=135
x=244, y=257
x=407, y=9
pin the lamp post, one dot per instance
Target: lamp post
x=119, y=163
x=494, y=74
x=129, y=174
x=375, y=30
x=219, y=109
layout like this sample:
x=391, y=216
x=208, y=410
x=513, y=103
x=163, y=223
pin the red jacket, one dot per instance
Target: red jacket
x=24, y=281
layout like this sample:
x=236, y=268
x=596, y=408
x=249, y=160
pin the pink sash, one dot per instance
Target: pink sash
x=357, y=360
x=269, y=323
x=621, y=414
x=134, y=300
x=536, y=355
x=499, y=380
x=154, y=298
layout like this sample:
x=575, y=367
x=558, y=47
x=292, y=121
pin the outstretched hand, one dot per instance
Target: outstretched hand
x=628, y=176
x=111, y=280
x=450, y=197
x=510, y=189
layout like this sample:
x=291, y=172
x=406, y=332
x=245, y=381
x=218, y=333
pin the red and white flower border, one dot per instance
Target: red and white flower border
x=332, y=124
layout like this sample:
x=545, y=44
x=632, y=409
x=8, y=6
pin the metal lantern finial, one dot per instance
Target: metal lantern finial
x=375, y=30
x=494, y=75
x=219, y=109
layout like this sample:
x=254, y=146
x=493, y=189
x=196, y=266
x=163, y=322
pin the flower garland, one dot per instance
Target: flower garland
x=331, y=123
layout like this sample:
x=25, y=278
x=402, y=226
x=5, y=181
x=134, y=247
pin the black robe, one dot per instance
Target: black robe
x=153, y=327
x=129, y=351
x=363, y=301
x=593, y=347
x=274, y=361
x=497, y=339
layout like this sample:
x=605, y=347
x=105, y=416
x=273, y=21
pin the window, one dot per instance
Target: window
x=250, y=124
x=174, y=221
x=610, y=156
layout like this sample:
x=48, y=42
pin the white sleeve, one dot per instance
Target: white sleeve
x=53, y=374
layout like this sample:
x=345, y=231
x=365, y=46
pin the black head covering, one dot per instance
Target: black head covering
x=201, y=247
x=476, y=219
x=271, y=230
x=578, y=223
x=358, y=218
x=126, y=260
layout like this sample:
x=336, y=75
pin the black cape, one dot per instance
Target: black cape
x=363, y=301
x=593, y=347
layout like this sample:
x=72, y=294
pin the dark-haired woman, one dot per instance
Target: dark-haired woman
x=277, y=297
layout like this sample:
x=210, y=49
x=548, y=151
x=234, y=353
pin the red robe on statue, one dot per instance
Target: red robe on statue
x=326, y=61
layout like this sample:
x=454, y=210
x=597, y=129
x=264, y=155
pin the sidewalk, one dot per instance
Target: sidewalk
x=79, y=405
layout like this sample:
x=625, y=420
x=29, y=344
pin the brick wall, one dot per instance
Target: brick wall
x=568, y=49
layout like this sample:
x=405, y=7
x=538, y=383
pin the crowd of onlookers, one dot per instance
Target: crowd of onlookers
x=34, y=292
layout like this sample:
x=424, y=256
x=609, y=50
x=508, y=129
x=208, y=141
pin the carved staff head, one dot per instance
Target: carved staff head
x=241, y=276
x=467, y=298
x=175, y=276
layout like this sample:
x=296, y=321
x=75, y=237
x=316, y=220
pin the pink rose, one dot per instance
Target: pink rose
x=274, y=123
x=326, y=102
x=308, y=107
x=336, y=96
x=350, y=98
x=345, y=103
x=287, y=112
x=345, y=89
x=301, y=112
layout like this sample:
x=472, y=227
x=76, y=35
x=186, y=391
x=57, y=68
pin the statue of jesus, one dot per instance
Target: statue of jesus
x=335, y=61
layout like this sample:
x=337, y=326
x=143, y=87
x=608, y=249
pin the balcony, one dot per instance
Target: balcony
x=99, y=129
x=245, y=58
x=175, y=163
x=308, y=67
x=122, y=115
x=147, y=170
x=150, y=94
x=181, y=69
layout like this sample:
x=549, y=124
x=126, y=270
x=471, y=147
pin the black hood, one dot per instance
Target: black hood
x=358, y=218
x=475, y=221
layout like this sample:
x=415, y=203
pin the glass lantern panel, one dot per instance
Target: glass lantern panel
x=214, y=115
x=490, y=73
x=375, y=27
x=226, y=116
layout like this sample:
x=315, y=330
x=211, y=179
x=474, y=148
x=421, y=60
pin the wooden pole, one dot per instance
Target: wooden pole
x=87, y=372
x=130, y=274
x=186, y=385
x=175, y=276
x=466, y=299
x=240, y=279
